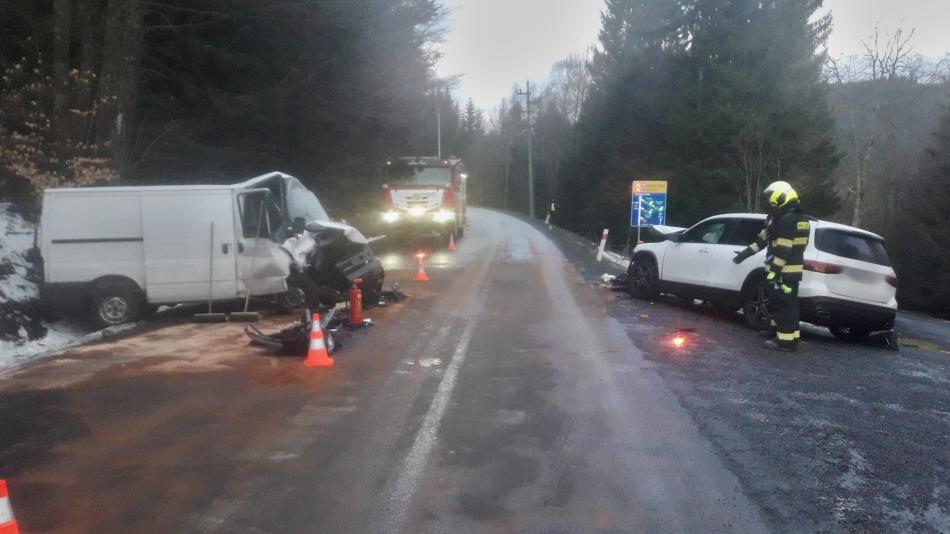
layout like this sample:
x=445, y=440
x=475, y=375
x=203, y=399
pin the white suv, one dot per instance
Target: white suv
x=848, y=284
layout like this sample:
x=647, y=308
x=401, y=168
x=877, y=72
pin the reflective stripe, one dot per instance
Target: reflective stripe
x=782, y=336
x=768, y=268
x=773, y=323
x=317, y=344
x=6, y=512
x=754, y=247
x=799, y=241
x=779, y=262
x=793, y=268
x=782, y=242
x=798, y=334
x=763, y=235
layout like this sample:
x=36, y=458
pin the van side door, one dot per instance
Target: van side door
x=189, y=246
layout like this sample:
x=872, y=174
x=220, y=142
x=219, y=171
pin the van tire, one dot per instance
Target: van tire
x=116, y=302
x=302, y=292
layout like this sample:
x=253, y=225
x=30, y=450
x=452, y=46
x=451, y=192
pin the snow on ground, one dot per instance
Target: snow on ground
x=24, y=334
x=618, y=261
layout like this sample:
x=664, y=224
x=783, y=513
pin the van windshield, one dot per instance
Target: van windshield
x=301, y=202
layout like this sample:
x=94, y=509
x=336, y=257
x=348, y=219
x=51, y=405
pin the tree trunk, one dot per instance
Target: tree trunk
x=90, y=27
x=118, y=82
x=62, y=23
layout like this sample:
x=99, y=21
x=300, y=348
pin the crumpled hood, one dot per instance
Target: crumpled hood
x=351, y=233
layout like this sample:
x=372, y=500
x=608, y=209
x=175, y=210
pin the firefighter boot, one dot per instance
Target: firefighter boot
x=773, y=344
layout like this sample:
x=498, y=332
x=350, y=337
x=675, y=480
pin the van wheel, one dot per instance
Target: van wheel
x=850, y=333
x=302, y=292
x=642, y=279
x=757, y=306
x=115, y=304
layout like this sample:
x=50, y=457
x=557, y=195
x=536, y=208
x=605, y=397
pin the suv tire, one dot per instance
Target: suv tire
x=642, y=279
x=850, y=333
x=756, y=306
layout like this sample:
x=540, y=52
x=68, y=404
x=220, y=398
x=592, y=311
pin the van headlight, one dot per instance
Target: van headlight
x=390, y=216
x=443, y=216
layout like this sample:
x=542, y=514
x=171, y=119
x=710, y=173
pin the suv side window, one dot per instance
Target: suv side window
x=745, y=232
x=710, y=232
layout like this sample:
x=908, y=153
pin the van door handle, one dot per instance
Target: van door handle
x=704, y=251
x=225, y=248
x=240, y=248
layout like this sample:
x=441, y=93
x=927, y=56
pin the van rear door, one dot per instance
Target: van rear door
x=180, y=252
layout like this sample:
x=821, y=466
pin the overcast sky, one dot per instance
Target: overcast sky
x=497, y=43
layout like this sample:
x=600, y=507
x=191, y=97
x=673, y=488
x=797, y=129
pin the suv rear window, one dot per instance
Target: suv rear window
x=852, y=246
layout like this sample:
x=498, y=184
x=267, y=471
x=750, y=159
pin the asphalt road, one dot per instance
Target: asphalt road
x=509, y=394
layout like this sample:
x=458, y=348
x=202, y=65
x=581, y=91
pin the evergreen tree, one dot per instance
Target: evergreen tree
x=922, y=248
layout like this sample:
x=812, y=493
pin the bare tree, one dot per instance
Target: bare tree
x=883, y=61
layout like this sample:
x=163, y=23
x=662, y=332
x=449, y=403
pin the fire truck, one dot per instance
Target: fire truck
x=425, y=195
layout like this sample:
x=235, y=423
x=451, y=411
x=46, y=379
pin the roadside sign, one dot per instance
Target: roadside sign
x=648, y=203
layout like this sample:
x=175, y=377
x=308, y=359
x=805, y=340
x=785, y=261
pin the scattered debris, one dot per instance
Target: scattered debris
x=644, y=317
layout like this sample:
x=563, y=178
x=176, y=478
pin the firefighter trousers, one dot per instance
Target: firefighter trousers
x=785, y=315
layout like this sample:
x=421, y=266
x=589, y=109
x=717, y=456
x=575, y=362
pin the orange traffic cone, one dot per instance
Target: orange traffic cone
x=317, y=356
x=7, y=521
x=452, y=243
x=421, y=275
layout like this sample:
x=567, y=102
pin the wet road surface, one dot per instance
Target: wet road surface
x=501, y=397
x=509, y=394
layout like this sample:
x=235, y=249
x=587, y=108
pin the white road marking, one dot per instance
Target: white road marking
x=405, y=486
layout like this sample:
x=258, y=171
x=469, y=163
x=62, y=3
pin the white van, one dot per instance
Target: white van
x=115, y=250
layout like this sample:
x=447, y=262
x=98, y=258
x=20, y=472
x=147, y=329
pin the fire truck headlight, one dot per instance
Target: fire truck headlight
x=443, y=216
x=390, y=216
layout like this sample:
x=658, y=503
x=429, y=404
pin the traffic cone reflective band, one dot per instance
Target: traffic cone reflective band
x=317, y=356
x=452, y=243
x=7, y=522
x=421, y=275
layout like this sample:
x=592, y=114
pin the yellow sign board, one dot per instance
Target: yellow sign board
x=647, y=187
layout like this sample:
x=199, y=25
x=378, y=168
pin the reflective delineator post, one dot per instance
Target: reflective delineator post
x=7, y=521
x=603, y=245
x=318, y=355
x=421, y=275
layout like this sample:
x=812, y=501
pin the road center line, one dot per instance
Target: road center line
x=405, y=486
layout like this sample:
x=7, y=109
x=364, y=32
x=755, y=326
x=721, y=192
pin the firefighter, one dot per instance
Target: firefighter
x=785, y=234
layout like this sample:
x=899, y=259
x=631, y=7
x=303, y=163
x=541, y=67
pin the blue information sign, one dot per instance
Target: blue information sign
x=648, y=209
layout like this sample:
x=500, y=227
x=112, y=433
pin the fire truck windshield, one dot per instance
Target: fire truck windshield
x=424, y=175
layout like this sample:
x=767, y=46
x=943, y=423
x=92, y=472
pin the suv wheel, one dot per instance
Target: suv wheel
x=850, y=333
x=757, y=306
x=642, y=279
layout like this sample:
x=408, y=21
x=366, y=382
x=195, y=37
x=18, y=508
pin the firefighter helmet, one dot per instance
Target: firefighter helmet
x=780, y=194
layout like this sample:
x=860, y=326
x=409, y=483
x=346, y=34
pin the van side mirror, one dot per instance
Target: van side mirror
x=676, y=238
x=299, y=225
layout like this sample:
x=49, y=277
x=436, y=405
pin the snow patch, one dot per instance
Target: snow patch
x=25, y=334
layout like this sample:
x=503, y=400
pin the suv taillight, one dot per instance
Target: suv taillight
x=822, y=267
x=891, y=280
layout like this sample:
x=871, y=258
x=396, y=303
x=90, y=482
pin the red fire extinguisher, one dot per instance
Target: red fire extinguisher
x=356, y=303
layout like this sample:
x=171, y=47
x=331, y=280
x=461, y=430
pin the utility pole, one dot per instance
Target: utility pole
x=527, y=94
x=438, y=120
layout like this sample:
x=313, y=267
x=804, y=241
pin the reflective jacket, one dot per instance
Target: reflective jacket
x=786, y=238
